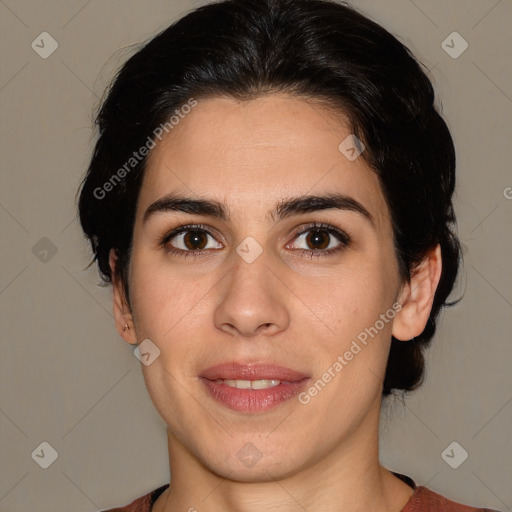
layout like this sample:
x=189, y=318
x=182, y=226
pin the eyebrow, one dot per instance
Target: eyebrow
x=284, y=209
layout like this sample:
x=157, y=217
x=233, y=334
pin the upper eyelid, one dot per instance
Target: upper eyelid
x=320, y=226
x=178, y=230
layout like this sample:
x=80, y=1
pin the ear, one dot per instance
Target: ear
x=122, y=312
x=417, y=297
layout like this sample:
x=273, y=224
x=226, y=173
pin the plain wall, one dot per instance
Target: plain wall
x=67, y=378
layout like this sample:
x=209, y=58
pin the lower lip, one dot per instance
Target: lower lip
x=253, y=400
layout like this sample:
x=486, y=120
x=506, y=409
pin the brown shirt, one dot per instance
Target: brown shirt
x=422, y=500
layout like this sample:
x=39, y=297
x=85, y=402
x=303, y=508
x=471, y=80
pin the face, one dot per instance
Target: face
x=263, y=287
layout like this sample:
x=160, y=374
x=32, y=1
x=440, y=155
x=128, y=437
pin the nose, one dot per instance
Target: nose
x=253, y=300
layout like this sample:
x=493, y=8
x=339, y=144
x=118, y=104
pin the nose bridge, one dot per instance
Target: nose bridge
x=250, y=297
x=249, y=271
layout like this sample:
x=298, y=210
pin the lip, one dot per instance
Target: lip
x=252, y=371
x=253, y=400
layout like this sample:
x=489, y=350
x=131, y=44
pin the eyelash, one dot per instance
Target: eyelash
x=340, y=235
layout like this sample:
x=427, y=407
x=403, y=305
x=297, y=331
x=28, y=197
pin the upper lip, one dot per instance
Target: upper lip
x=252, y=371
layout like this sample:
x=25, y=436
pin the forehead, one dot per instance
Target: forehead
x=256, y=152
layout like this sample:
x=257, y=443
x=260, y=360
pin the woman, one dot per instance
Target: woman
x=271, y=197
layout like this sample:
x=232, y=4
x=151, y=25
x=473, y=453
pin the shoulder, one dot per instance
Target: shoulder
x=142, y=504
x=425, y=500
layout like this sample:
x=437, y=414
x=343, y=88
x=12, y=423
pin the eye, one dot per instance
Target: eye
x=189, y=239
x=321, y=240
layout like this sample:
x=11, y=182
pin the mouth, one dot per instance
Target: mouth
x=252, y=388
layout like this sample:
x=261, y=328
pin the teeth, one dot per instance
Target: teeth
x=250, y=384
x=262, y=384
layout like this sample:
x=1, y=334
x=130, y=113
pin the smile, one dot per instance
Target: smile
x=252, y=387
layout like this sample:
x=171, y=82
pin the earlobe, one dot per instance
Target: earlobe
x=122, y=312
x=417, y=297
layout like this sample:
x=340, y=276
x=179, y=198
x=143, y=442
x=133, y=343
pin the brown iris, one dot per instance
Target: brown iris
x=193, y=240
x=315, y=237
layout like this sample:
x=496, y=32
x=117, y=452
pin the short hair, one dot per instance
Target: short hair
x=314, y=49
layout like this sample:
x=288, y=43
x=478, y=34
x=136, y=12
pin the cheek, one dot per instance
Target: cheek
x=350, y=303
x=171, y=309
x=162, y=297
x=167, y=311
x=354, y=297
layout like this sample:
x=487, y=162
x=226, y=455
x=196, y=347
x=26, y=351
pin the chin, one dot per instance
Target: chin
x=260, y=473
x=251, y=463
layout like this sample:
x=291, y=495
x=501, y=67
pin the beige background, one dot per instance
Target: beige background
x=66, y=376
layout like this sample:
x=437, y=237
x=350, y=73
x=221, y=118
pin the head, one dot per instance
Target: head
x=274, y=120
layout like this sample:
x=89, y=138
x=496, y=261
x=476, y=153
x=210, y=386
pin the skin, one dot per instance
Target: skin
x=286, y=307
